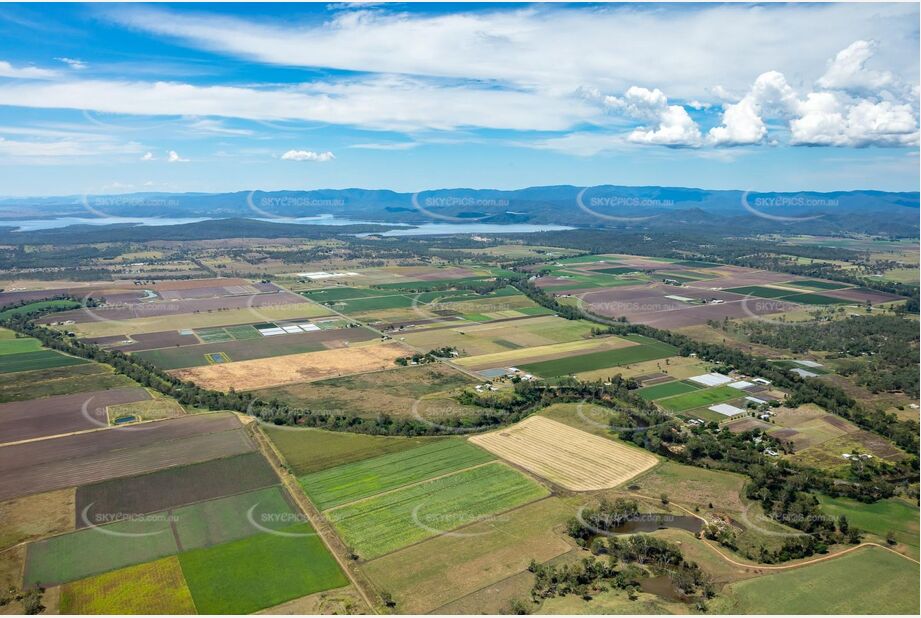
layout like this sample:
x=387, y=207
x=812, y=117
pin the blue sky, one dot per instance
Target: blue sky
x=111, y=98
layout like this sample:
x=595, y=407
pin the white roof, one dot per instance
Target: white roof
x=292, y=329
x=711, y=379
x=803, y=373
x=741, y=385
x=726, y=409
x=268, y=332
x=681, y=298
x=308, y=327
x=756, y=400
x=807, y=363
x=761, y=381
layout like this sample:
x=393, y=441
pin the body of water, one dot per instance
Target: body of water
x=426, y=229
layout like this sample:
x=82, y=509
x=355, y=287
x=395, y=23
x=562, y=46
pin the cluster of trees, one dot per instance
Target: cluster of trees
x=606, y=517
x=886, y=344
x=629, y=560
x=432, y=356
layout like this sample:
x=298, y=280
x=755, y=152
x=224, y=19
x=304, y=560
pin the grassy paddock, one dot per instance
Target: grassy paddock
x=260, y=571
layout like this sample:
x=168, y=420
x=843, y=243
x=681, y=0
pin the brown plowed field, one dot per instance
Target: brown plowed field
x=173, y=487
x=105, y=458
x=51, y=416
x=569, y=457
x=266, y=372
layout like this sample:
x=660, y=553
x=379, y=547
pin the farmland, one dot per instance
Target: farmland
x=230, y=578
x=157, y=586
x=294, y=368
x=386, y=522
x=352, y=482
x=568, y=457
x=208, y=510
x=877, y=580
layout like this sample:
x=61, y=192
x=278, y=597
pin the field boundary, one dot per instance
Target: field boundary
x=330, y=539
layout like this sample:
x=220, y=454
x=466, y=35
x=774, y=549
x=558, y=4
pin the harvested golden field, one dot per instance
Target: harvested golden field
x=307, y=367
x=543, y=352
x=569, y=457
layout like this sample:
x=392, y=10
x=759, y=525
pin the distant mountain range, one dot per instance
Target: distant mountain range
x=600, y=206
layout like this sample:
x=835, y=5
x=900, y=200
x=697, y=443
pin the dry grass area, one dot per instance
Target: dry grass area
x=307, y=367
x=569, y=457
x=36, y=516
x=341, y=601
x=679, y=367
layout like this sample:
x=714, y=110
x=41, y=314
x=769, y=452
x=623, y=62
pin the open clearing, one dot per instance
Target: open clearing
x=386, y=522
x=428, y=575
x=392, y=392
x=366, y=478
x=266, y=372
x=36, y=516
x=867, y=581
x=260, y=571
x=879, y=518
x=60, y=381
x=699, y=398
x=571, y=458
x=550, y=352
x=154, y=588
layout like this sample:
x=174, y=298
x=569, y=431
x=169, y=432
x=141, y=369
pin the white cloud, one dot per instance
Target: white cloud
x=8, y=70
x=848, y=71
x=173, y=157
x=148, y=156
x=742, y=122
x=77, y=65
x=553, y=48
x=825, y=121
x=308, y=155
x=671, y=124
x=384, y=103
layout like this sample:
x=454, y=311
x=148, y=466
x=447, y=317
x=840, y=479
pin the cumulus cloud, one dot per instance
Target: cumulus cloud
x=308, y=155
x=742, y=122
x=173, y=157
x=670, y=125
x=148, y=156
x=8, y=70
x=848, y=71
x=865, y=116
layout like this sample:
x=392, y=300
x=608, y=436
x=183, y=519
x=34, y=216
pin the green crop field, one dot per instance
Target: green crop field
x=92, y=551
x=817, y=285
x=668, y=389
x=587, y=259
x=360, y=305
x=260, y=571
x=213, y=335
x=343, y=293
x=362, y=479
x=867, y=581
x=389, y=521
x=309, y=450
x=235, y=517
x=619, y=270
x=244, y=332
x=39, y=306
x=60, y=381
x=648, y=349
x=696, y=264
x=19, y=345
x=39, y=359
x=154, y=588
x=760, y=291
x=878, y=518
x=698, y=398
x=818, y=299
